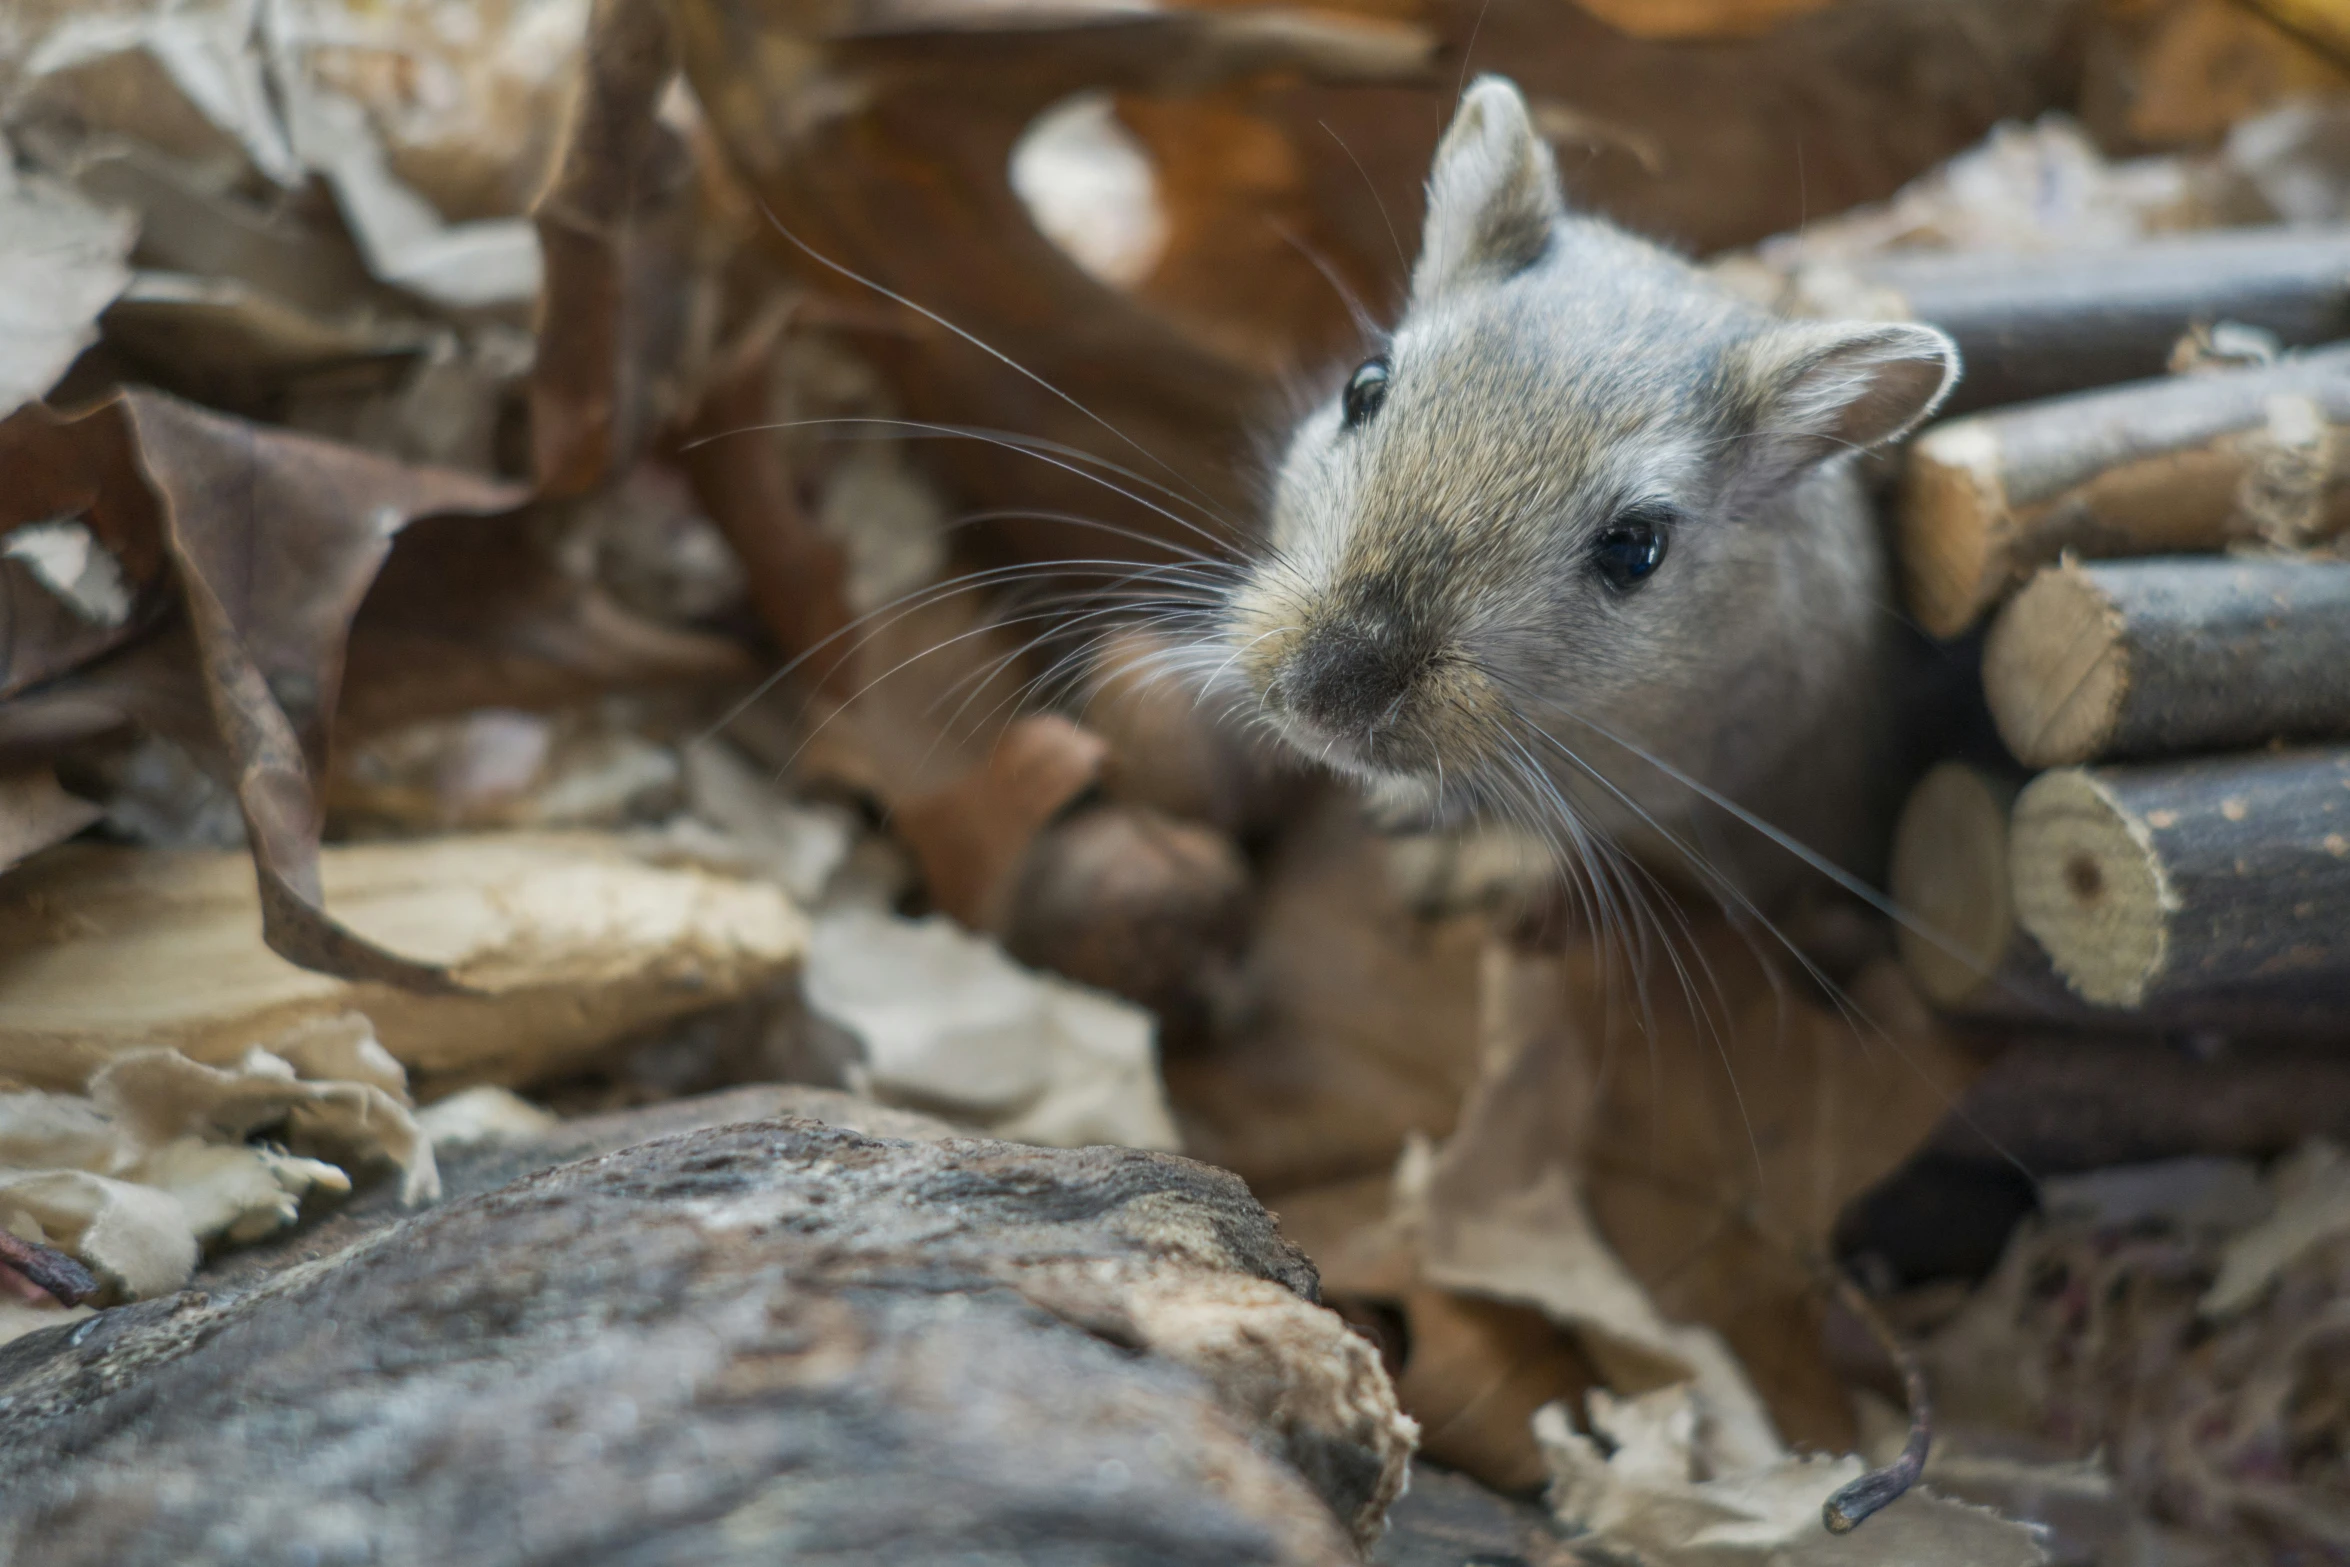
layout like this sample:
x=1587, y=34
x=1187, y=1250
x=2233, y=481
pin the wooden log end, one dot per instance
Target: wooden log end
x=1949, y=873
x=2089, y=886
x=2056, y=668
x=1954, y=527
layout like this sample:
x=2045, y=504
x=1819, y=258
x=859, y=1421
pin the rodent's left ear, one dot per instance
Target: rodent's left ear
x=1847, y=385
x=1493, y=193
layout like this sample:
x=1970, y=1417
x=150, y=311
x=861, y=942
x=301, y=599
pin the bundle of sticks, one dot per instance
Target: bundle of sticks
x=2159, y=575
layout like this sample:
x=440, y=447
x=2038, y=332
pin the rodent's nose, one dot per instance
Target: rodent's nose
x=1345, y=677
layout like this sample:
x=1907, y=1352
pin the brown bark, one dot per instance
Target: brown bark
x=755, y=1343
x=2041, y=325
x=2220, y=885
x=2165, y=657
x=2182, y=464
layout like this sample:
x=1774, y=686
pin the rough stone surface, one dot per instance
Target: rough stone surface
x=780, y=1341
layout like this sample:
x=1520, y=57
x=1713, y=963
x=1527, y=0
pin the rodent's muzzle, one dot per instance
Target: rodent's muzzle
x=1348, y=679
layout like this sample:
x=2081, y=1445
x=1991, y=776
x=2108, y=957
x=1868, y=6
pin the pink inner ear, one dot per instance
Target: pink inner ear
x=1899, y=393
x=1870, y=388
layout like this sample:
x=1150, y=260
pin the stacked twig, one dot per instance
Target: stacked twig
x=2170, y=640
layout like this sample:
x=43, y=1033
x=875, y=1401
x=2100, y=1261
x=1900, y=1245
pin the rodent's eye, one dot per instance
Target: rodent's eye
x=1631, y=549
x=1366, y=389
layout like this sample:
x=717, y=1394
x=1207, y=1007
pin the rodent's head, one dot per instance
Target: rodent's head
x=1558, y=485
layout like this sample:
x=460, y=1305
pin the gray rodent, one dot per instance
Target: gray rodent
x=1588, y=500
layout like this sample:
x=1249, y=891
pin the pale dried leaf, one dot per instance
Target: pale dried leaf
x=947, y=1021
x=2313, y=1207
x=189, y=78
x=232, y=1191
x=134, y=1237
x=1647, y=1496
x=161, y=1095
x=564, y=944
x=487, y=1114
x=36, y=811
x=62, y=261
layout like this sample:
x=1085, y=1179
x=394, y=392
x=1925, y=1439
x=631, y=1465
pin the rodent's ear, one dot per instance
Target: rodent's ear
x=1492, y=194
x=1847, y=385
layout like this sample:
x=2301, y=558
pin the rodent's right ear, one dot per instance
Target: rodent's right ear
x=1493, y=193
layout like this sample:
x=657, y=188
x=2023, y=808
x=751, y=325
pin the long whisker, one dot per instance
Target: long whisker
x=1843, y=1002
x=871, y=623
x=989, y=349
x=1043, y=452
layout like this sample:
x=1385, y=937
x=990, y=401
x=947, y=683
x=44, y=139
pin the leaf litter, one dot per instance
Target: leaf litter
x=428, y=430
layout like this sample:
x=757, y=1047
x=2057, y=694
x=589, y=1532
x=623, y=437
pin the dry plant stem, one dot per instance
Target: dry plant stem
x=619, y=174
x=2218, y=885
x=798, y=576
x=2145, y=658
x=48, y=1268
x=1854, y=1504
x=2041, y=325
x=2183, y=464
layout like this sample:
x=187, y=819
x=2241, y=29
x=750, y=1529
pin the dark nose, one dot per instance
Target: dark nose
x=1346, y=676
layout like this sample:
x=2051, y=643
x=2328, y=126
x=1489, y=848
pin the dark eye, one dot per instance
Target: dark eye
x=1366, y=389
x=1631, y=549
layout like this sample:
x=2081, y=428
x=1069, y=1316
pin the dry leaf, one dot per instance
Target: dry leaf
x=191, y=80
x=136, y=1238
x=1648, y=1497
x=615, y=226
x=467, y=101
x=2181, y=1325
x=35, y=812
x=798, y=577
x=61, y=263
x=1135, y=903
x=2312, y=1208
x=972, y=835
x=560, y=946
x=948, y=1023
x=1715, y=1118
x=160, y=1155
x=74, y=509
x=484, y=1114
x=466, y=617
x=273, y=539
x=1353, y=1022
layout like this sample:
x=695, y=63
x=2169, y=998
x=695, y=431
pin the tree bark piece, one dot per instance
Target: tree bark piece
x=2041, y=325
x=2221, y=884
x=2194, y=462
x=2147, y=658
x=757, y=1343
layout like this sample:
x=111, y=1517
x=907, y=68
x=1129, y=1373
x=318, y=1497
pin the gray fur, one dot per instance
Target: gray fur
x=1428, y=590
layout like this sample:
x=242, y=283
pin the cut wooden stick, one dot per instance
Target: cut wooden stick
x=2188, y=463
x=2213, y=885
x=2041, y=325
x=1949, y=874
x=2164, y=657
